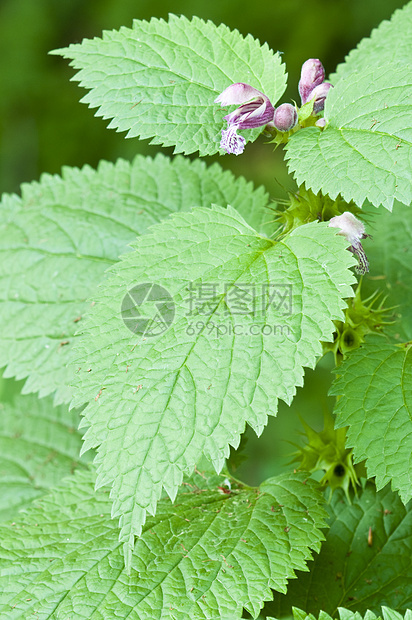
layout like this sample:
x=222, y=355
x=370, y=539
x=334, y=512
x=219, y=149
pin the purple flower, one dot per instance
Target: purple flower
x=285, y=117
x=354, y=231
x=255, y=111
x=312, y=75
x=312, y=85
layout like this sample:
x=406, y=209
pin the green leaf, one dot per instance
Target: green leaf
x=346, y=614
x=366, y=148
x=390, y=42
x=213, y=553
x=159, y=402
x=159, y=79
x=375, y=382
x=390, y=614
x=57, y=241
x=349, y=572
x=391, y=268
x=39, y=445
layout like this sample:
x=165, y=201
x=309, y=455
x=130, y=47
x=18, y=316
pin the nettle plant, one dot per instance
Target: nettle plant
x=173, y=305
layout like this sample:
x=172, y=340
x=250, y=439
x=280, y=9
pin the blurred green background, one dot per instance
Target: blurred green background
x=43, y=126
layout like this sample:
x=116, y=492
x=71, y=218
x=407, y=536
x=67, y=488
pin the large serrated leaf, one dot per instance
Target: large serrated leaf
x=365, y=151
x=39, y=445
x=159, y=79
x=389, y=253
x=60, y=237
x=211, y=554
x=365, y=562
x=390, y=42
x=375, y=382
x=157, y=403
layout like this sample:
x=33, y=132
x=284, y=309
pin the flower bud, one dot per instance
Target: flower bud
x=285, y=117
x=312, y=75
x=319, y=93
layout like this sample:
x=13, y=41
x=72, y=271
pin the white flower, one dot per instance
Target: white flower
x=354, y=230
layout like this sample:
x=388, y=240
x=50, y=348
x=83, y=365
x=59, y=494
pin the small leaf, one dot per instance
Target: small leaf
x=365, y=562
x=159, y=79
x=159, y=402
x=57, y=241
x=390, y=614
x=211, y=554
x=375, y=382
x=39, y=445
x=366, y=148
x=346, y=614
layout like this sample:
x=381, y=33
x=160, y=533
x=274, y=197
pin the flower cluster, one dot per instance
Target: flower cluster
x=326, y=451
x=256, y=110
x=361, y=317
